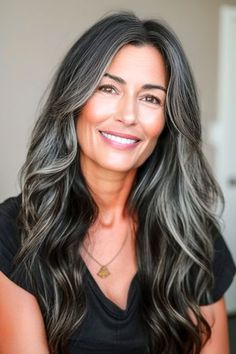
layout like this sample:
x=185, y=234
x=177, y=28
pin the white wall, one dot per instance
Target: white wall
x=34, y=36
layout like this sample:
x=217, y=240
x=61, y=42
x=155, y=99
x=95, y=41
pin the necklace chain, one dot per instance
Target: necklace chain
x=103, y=271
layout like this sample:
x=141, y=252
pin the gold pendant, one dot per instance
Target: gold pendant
x=103, y=272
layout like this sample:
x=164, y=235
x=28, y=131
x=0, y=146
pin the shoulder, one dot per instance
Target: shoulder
x=224, y=268
x=10, y=207
x=9, y=211
x=223, y=271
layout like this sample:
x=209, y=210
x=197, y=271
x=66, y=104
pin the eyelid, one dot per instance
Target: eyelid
x=108, y=86
x=159, y=102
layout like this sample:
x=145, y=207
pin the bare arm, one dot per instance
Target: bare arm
x=216, y=316
x=22, y=328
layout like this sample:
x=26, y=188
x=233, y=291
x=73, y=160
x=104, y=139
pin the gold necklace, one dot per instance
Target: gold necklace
x=104, y=271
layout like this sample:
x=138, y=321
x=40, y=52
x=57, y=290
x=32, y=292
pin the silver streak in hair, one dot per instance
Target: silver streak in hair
x=174, y=197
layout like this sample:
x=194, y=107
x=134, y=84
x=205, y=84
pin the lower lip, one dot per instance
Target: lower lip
x=118, y=145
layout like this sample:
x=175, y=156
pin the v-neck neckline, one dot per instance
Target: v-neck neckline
x=111, y=305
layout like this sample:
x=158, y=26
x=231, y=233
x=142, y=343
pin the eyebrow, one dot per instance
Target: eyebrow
x=145, y=87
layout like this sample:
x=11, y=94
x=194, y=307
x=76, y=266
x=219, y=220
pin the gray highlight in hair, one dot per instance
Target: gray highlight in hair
x=174, y=197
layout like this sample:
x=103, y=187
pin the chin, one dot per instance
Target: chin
x=119, y=168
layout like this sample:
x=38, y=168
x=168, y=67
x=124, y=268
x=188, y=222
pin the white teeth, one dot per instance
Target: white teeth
x=119, y=139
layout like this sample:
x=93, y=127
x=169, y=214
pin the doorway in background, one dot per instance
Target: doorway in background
x=224, y=133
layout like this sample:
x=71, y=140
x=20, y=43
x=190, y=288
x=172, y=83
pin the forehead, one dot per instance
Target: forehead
x=143, y=62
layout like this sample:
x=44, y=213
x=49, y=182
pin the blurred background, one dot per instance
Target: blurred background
x=35, y=35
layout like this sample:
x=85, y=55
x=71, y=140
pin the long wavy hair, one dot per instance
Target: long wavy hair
x=174, y=196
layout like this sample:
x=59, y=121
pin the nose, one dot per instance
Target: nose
x=127, y=111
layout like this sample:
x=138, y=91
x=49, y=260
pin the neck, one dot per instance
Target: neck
x=110, y=190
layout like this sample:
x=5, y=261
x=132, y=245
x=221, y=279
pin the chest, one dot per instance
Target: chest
x=106, y=327
x=109, y=253
x=117, y=284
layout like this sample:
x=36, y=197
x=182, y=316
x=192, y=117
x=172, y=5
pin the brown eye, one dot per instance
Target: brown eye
x=107, y=88
x=152, y=99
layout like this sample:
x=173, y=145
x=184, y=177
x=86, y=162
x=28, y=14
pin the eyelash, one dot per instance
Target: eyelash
x=109, y=88
x=153, y=98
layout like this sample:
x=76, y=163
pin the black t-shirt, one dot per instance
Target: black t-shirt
x=106, y=328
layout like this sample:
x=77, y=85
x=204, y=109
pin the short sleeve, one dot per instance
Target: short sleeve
x=10, y=241
x=223, y=269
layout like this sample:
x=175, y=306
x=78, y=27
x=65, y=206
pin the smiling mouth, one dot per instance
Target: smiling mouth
x=119, y=139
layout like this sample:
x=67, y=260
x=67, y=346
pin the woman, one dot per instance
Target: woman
x=114, y=244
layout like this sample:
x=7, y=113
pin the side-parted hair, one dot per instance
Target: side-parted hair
x=175, y=197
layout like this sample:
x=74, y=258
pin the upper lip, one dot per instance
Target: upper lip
x=121, y=135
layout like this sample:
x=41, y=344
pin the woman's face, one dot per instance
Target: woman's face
x=119, y=125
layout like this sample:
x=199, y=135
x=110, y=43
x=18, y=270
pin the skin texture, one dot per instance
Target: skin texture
x=22, y=320
x=110, y=171
x=131, y=109
x=216, y=316
x=22, y=328
x=124, y=108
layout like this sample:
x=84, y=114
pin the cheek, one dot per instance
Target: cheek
x=97, y=109
x=154, y=126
